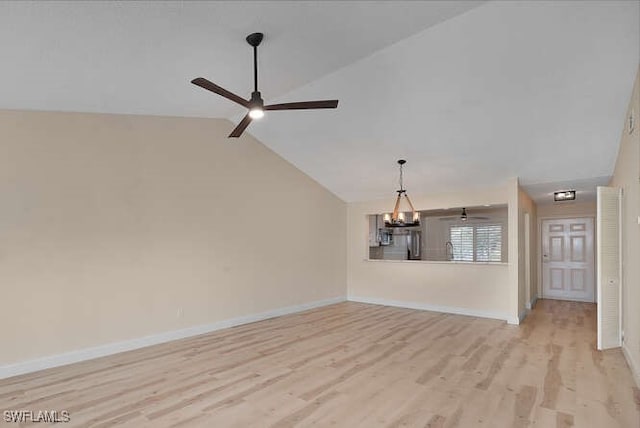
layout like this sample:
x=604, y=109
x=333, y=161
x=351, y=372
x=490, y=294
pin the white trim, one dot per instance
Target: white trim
x=633, y=365
x=532, y=304
x=562, y=217
x=513, y=321
x=154, y=339
x=598, y=270
x=527, y=260
x=567, y=299
x=433, y=308
x=620, y=256
x=522, y=315
x=437, y=262
x=540, y=284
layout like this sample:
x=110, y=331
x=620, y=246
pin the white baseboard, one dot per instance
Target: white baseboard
x=532, y=304
x=633, y=365
x=513, y=320
x=428, y=307
x=522, y=315
x=154, y=339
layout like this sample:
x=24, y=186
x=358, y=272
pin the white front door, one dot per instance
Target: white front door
x=568, y=259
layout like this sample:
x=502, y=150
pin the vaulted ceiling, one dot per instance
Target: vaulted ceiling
x=470, y=93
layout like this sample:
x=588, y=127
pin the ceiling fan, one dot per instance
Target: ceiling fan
x=255, y=105
x=463, y=217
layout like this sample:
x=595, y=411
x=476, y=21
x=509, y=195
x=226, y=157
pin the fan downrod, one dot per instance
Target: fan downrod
x=254, y=39
x=256, y=105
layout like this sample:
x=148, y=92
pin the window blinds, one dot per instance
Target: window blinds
x=461, y=238
x=480, y=243
x=488, y=243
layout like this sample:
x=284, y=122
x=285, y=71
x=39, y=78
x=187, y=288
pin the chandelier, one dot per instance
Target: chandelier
x=398, y=218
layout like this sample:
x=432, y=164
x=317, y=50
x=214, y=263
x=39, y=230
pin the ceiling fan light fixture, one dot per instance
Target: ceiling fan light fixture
x=256, y=113
x=256, y=106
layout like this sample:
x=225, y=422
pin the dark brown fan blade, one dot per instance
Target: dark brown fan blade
x=304, y=105
x=204, y=83
x=241, y=127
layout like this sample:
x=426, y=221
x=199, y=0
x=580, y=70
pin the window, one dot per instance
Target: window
x=488, y=243
x=461, y=238
x=479, y=243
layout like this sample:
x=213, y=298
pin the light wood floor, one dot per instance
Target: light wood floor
x=354, y=365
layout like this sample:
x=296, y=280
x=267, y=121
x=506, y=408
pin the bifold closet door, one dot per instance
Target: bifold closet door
x=608, y=255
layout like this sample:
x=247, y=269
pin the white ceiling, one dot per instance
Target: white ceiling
x=138, y=57
x=470, y=93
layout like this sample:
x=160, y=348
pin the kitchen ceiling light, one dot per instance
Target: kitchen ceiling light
x=463, y=216
x=398, y=218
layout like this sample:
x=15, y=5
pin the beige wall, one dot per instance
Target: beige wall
x=481, y=289
x=626, y=175
x=113, y=225
x=513, y=197
x=567, y=209
x=527, y=269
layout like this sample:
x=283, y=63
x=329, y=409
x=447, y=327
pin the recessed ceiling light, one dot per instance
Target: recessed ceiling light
x=564, y=195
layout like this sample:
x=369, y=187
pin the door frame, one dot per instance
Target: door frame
x=529, y=300
x=539, y=256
